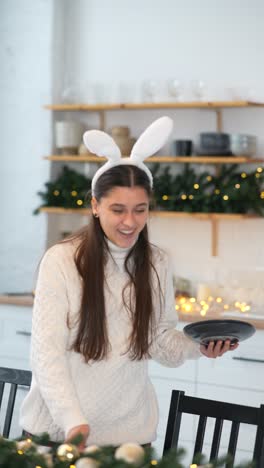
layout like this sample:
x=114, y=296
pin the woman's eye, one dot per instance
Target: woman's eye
x=117, y=211
x=142, y=210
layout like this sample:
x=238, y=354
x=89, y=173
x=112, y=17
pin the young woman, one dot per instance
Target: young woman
x=104, y=306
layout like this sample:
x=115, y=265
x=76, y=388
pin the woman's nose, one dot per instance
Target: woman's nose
x=129, y=220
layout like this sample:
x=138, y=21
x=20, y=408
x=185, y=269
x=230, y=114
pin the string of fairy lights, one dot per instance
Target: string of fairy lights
x=210, y=305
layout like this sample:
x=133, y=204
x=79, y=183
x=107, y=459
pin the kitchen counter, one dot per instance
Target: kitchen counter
x=256, y=320
x=23, y=300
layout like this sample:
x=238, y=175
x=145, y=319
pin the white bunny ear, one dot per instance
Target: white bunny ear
x=152, y=139
x=102, y=144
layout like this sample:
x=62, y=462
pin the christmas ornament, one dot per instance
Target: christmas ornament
x=67, y=452
x=130, y=453
x=48, y=460
x=46, y=453
x=25, y=445
x=91, y=449
x=86, y=462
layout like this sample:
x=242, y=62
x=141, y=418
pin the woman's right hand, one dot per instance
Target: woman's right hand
x=82, y=430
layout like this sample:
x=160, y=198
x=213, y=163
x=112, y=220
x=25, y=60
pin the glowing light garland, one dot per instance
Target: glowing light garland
x=212, y=305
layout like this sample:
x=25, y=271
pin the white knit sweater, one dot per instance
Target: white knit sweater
x=114, y=396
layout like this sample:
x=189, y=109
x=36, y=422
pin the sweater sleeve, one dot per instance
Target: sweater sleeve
x=170, y=347
x=50, y=342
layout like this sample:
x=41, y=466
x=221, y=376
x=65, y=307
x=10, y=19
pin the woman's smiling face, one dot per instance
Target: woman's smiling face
x=122, y=213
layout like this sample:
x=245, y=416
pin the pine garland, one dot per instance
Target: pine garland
x=232, y=191
x=69, y=190
x=27, y=453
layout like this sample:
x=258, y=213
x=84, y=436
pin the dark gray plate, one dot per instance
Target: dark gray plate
x=214, y=330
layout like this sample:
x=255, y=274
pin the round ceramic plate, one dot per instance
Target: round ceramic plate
x=213, y=330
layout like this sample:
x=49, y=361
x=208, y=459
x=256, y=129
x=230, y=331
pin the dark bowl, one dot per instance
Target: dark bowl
x=214, y=330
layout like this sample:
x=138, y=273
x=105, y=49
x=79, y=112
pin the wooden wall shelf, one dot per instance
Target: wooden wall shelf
x=153, y=105
x=214, y=106
x=171, y=214
x=213, y=218
x=163, y=159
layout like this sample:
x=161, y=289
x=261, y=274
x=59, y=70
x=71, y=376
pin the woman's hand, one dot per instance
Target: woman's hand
x=82, y=430
x=214, y=350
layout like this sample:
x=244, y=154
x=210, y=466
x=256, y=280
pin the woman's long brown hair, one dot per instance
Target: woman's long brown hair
x=90, y=259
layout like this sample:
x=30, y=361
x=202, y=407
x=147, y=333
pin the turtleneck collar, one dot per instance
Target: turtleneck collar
x=118, y=253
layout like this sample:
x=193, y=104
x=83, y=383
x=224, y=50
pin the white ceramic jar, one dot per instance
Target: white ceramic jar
x=68, y=136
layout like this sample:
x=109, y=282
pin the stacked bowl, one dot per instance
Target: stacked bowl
x=214, y=144
x=243, y=145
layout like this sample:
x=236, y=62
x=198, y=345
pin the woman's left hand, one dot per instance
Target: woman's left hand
x=214, y=350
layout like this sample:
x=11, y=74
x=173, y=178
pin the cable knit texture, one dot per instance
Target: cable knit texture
x=114, y=396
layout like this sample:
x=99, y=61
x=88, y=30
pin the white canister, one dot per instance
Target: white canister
x=68, y=135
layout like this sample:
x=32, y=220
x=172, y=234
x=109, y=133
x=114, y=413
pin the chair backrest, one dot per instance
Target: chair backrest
x=220, y=411
x=14, y=377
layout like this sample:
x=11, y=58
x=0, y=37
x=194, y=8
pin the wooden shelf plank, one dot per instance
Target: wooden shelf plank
x=202, y=216
x=153, y=105
x=61, y=210
x=162, y=159
x=170, y=214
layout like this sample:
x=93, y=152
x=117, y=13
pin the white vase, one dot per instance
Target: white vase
x=68, y=135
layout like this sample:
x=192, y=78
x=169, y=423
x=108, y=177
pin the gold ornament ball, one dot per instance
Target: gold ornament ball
x=67, y=452
x=130, y=453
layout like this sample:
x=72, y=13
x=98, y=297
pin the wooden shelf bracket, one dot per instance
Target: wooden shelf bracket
x=219, y=120
x=214, y=236
x=102, y=120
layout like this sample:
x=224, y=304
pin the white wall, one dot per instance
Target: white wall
x=25, y=56
x=125, y=42
x=221, y=42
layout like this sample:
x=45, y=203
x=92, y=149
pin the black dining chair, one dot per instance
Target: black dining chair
x=220, y=412
x=11, y=378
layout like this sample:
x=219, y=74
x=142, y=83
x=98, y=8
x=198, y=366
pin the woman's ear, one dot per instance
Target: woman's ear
x=94, y=205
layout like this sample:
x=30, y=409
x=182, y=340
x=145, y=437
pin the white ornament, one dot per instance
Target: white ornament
x=25, y=445
x=130, y=453
x=86, y=462
x=45, y=452
x=48, y=459
x=91, y=449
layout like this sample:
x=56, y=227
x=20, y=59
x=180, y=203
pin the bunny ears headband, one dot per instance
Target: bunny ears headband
x=149, y=142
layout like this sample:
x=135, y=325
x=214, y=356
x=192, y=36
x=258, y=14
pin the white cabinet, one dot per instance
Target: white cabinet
x=15, y=333
x=237, y=369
